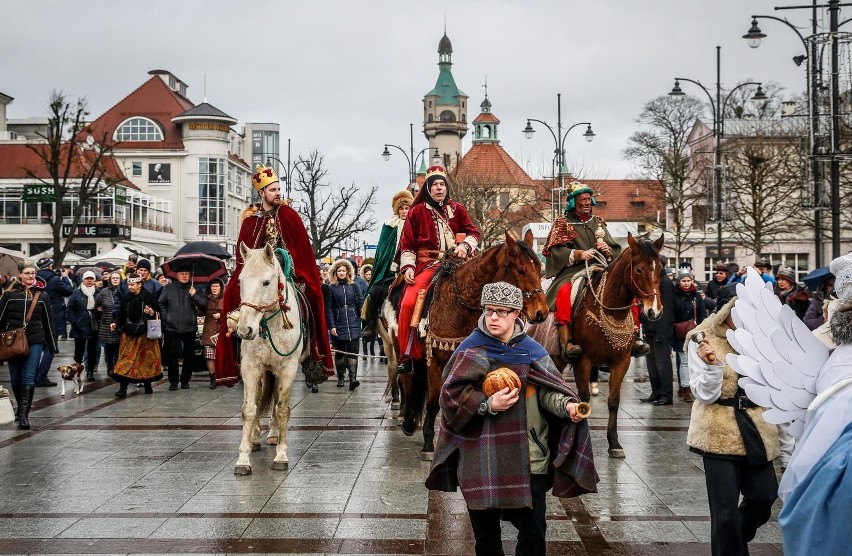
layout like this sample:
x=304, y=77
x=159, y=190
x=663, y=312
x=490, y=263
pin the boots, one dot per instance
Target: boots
x=26, y=403
x=17, y=391
x=341, y=374
x=569, y=349
x=212, y=381
x=686, y=394
x=148, y=388
x=122, y=390
x=90, y=376
x=353, y=378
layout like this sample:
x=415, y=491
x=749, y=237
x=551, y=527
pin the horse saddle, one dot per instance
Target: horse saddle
x=579, y=283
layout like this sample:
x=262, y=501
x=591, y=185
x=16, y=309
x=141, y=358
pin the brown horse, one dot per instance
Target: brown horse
x=603, y=325
x=453, y=315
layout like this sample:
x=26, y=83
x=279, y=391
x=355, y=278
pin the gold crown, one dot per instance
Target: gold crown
x=435, y=172
x=264, y=175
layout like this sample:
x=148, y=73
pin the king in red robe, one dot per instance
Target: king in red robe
x=277, y=224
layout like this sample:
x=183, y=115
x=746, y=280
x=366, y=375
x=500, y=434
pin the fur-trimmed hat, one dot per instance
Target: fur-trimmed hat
x=363, y=270
x=350, y=271
x=403, y=198
x=841, y=267
x=502, y=294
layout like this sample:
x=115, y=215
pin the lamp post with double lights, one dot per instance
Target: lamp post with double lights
x=754, y=37
x=288, y=170
x=410, y=157
x=559, y=139
x=718, y=106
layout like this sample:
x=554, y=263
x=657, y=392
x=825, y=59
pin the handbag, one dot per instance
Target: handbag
x=13, y=342
x=683, y=328
x=155, y=328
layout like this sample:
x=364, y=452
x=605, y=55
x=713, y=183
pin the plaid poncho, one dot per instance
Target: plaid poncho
x=488, y=456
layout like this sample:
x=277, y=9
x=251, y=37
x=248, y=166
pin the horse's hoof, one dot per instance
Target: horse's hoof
x=616, y=453
x=395, y=406
x=242, y=470
x=255, y=446
x=280, y=465
x=427, y=456
x=407, y=429
x=272, y=441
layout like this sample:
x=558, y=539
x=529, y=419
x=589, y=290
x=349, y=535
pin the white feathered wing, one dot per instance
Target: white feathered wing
x=778, y=357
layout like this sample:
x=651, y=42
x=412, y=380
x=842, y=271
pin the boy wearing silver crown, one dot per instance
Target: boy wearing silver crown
x=507, y=450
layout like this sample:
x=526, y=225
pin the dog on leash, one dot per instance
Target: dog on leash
x=74, y=373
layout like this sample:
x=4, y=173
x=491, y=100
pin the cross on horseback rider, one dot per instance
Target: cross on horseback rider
x=273, y=222
x=576, y=239
x=435, y=228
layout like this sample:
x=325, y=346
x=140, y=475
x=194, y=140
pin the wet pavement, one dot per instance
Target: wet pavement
x=154, y=475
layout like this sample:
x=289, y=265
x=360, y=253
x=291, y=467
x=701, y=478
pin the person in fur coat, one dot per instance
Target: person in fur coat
x=342, y=315
x=728, y=431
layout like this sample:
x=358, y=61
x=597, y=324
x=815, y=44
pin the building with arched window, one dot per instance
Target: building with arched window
x=445, y=109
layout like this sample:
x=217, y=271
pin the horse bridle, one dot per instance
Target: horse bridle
x=654, y=293
x=527, y=294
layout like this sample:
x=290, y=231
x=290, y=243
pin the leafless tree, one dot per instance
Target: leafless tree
x=741, y=103
x=331, y=213
x=764, y=181
x=75, y=170
x=659, y=152
x=495, y=208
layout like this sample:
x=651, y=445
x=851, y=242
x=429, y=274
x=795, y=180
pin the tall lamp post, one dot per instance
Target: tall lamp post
x=288, y=169
x=410, y=157
x=718, y=106
x=754, y=36
x=559, y=138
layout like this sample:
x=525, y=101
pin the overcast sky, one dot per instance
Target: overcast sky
x=347, y=76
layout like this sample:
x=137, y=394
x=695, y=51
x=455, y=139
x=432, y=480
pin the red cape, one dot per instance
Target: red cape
x=293, y=233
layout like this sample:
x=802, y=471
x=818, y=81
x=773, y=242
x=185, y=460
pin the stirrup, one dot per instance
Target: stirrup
x=405, y=367
x=571, y=351
x=640, y=349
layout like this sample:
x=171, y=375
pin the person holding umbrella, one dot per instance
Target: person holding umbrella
x=273, y=222
x=180, y=304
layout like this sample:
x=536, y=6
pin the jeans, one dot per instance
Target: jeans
x=683, y=368
x=45, y=365
x=22, y=371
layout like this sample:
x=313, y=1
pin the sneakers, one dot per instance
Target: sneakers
x=184, y=386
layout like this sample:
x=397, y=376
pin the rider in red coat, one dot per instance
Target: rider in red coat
x=436, y=225
x=274, y=222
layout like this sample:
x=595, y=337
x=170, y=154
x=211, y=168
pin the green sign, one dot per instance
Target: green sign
x=120, y=195
x=39, y=194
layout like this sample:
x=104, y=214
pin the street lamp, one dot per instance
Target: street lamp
x=559, y=137
x=288, y=170
x=718, y=108
x=412, y=158
x=754, y=36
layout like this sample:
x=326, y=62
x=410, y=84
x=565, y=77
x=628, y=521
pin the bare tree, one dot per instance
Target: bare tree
x=74, y=171
x=741, y=103
x=659, y=152
x=764, y=181
x=495, y=208
x=331, y=214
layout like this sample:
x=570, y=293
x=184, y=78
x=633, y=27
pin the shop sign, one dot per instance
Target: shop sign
x=120, y=195
x=39, y=193
x=97, y=230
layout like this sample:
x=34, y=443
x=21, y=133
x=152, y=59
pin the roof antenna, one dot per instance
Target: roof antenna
x=485, y=85
x=205, y=87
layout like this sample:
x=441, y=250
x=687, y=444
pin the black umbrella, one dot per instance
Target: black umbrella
x=205, y=248
x=203, y=268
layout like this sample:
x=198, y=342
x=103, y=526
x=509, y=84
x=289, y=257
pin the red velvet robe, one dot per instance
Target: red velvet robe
x=421, y=232
x=292, y=232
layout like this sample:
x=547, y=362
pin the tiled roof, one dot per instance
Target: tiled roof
x=620, y=200
x=485, y=117
x=16, y=160
x=489, y=161
x=154, y=100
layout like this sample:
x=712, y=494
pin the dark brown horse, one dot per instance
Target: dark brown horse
x=603, y=325
x=453, y=315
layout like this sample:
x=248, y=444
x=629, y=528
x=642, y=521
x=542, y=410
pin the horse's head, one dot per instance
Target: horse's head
x=259, y=288
x=522, y=268
x=645, y=271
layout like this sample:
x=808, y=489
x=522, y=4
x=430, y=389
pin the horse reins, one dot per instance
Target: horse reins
x=452, y=271
x=654, y=294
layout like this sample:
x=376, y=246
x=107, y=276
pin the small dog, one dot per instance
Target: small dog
x=74, y=373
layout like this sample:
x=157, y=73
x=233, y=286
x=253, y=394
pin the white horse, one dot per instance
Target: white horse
x=274, y=344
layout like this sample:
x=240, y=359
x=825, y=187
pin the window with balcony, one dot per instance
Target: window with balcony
x=139, y=129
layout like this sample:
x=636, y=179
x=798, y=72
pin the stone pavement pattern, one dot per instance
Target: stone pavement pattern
x=154, y=475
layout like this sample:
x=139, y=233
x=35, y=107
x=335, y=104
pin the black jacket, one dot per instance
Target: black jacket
x=58, y=288
x=687, y=306
x=131, y=309
x=13, y=309
x=663, y=327
x=84, y=322
x=179, y=310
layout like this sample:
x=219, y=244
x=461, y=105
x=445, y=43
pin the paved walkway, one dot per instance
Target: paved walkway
x=154, y=475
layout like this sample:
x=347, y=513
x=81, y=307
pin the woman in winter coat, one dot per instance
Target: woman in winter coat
x=366, y=273
x=107, y=302
x=688, y=306
x=815, y=317
x=14, y=306
x=211, y=326
x=342, y=315
x=138, y=356
x=80, y=312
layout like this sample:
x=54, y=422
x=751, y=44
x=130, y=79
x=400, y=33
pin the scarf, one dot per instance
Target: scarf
x=89, y=292
x=520, y=350
x=690, y=289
